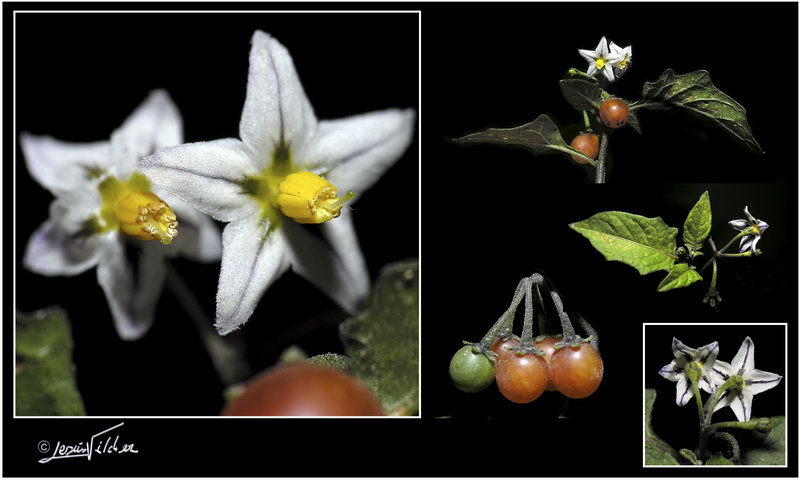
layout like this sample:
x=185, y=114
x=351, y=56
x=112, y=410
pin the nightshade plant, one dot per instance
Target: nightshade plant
x=525, y=367
x=729, y=384
x=284, y=173
x=602, y=113
x=649, y=245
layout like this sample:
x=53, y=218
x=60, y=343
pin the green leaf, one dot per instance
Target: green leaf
x=383, y=342
x=45, y=378
x=681, y=275
x=695, y=93
x=656, y=451
x=719, y=460
x=698, y=223
x=773, y=452
x=646, y=244
x=539, y=136
x=581, y=94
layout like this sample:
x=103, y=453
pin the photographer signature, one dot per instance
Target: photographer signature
x=99, y=444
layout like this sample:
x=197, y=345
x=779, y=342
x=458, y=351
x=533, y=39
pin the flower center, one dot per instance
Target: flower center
x=623, y=64
x=145, y=216
x=309, y=198
x=283, y=190
x=600, y=63
x=133, y=208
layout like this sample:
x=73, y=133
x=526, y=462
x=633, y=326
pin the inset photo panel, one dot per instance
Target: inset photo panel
x=715, y=394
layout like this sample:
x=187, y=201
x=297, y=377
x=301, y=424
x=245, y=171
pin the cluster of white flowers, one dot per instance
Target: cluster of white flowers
x=287, y=169
x=612, y=61
x=714, y=373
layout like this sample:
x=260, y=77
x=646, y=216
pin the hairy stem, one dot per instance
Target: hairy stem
x=526, y=341
x=566, y=325
x=718, y=253
x=600, y=167
x=227, y=353
x=506, y=320
x=736, y=458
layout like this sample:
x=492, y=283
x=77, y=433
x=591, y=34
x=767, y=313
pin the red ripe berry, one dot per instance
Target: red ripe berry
x=576, y=371
x=521, y=378
x=548, y=345
x=586, y=143
x=500, y=347
x=304, y=390
x=614, y=112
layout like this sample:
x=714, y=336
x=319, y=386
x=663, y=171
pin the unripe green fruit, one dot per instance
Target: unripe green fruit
x=471, y=372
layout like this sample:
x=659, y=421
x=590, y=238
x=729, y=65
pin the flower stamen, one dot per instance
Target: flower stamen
x=309, y=198
x=143, y=215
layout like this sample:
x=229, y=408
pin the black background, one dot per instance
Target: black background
x=491, y=216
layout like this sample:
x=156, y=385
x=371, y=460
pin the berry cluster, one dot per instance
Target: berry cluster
x=526, y=367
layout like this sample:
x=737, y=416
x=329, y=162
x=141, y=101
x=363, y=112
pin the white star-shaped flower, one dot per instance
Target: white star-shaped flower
x=600, y=60
x=103, y=203
x=626, y=58
x=753, y=381
x=288, y=168
x=702, y=358
x=754, y=229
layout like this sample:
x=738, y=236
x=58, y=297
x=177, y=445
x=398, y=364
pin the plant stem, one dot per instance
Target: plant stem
x=526, y=341
x=600, y=167
x=734, y=255
x=748, y=425
x=700, y=413
x=736, y=453
x=566, y=325
x=506, y=320
x=586, y=124
x=227, y=353
x=544, y=322
x=719, y=252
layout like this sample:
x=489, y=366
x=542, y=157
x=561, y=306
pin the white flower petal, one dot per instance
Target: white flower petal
x=198, y=239
x=587, y=55
x=671, y=372
x=756, y=239
x=602, y=48
x=682, y=352
x=750, y=217
x=276, y=107
x=354, y=152
x=739, y=224
x=592, y=70
x=155, y=124
x=726, y=400
x=742, y=405
x=684, y=391
x=206, y=175
x=251, y=261
x=745, y=243
x=758, y=381
x=707, y=354
x=608, y=72
x=132, y=300
x=344, y=280
x=62, y=166
x=743, y=361
x=53, y=251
